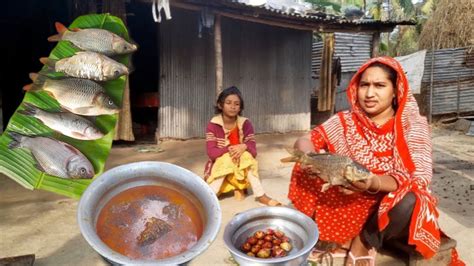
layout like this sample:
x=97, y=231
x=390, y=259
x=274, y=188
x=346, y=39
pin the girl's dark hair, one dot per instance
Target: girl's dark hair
x=392, y=76
x=221, y=99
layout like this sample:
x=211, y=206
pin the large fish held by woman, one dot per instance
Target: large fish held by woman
x=79, y=96
x=94, y=40
x=333, y=168
x=66, y=123
x=54, y=157
x=87, y=65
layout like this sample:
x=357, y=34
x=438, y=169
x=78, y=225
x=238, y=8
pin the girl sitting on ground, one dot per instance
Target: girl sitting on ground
x=232, y=150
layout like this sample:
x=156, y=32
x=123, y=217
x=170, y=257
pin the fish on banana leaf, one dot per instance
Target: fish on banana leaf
x=87, y=65
x=66, y=123
x=333, y=168
x=78, y=96
x=94, y=40
x=54, y=157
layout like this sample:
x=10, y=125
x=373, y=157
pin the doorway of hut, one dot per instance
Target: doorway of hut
x=144, y=79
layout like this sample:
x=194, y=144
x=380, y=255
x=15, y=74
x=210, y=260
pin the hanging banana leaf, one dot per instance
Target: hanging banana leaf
x=19, y=164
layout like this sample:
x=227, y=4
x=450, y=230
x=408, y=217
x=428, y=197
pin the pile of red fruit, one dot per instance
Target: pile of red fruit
x=268, y=244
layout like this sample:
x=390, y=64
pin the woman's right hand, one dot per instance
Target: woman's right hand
x=304, y=144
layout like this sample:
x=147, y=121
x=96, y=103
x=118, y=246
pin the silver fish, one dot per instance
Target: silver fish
x=87, y=65
x=333, y=168
x=79, y=96
x=94, y=40
x=66, y=123
x=54, y=157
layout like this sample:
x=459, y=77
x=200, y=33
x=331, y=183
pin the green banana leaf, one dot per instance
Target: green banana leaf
x=20, y=165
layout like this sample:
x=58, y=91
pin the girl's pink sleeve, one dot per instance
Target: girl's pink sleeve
x=213, y=151
x=249, y=138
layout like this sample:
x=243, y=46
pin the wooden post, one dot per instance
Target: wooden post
x=325, y=85
x=123, y=129
x=430, y=118
x=375, y=44
x=218, y=53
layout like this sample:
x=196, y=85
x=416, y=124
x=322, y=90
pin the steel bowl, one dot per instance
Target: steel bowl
x=301, y=229
x=123, y=177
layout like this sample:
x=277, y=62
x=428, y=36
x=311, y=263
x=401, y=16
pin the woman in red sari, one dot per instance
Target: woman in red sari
x=384, y=132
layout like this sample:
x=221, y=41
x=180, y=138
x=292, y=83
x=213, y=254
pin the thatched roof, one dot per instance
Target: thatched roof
x=450, y=25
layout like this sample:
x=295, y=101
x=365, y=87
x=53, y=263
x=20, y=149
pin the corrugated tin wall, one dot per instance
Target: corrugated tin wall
x=341, y=92
x=316, y=54
x=353, y=49
x=450, y=65
x=453, y=80
x=186, y=77
x=271, y=66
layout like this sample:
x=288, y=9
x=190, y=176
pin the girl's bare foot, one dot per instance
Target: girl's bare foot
x=266, y=200
x=239, y=194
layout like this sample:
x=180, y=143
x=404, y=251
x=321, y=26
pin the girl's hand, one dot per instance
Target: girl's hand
x=237, y=150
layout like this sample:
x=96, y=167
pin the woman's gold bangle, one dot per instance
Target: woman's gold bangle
x=378, y=189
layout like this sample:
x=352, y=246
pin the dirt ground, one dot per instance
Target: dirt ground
x=45, y=224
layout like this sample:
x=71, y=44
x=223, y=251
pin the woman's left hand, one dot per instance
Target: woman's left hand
x=361, y=185
x=237, y=150
x=357, y=186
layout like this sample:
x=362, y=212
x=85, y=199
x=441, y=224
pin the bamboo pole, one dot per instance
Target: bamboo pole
x=375, y=44
x=123, y=128
x=325, y=88
x=430, y=118
x=218, y=54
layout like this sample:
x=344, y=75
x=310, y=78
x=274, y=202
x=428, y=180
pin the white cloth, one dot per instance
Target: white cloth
x=156, y=9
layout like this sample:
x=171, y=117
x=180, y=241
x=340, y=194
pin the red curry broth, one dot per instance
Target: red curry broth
x=122, y=222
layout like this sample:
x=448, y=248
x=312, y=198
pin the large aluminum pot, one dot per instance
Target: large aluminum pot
x=123, y=177
x=301, y=229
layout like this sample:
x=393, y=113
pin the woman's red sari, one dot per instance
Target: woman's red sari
x=400, y=148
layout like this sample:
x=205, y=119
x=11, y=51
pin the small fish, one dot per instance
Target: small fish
x=78, y=96
x=333, y=168
x=66, y=123
x=87, y=65
x=94, y=40
x=155, y=228
x=54, y=157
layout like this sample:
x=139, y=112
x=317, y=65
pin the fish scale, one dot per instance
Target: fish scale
x=66, y=123
x=331, y=167
x=79, y=96
x=74, y=92
x=92, y=40
x=90, y=65
x=87, y=67
x=54, y=156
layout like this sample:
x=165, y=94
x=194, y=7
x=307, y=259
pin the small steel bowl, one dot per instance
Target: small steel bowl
x=302, y=231
x=127, y=176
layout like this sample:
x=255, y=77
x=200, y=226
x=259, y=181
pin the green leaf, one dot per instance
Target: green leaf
x=19, y=164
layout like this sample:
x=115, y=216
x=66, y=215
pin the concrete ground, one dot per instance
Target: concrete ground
x=45, y=224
